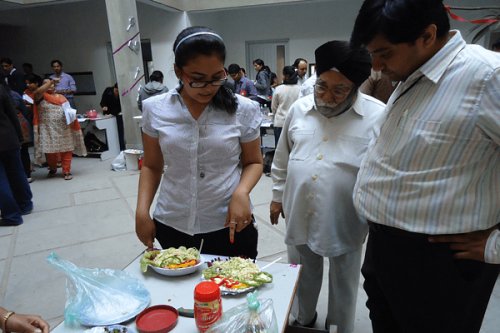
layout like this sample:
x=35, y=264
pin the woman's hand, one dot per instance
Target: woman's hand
x=275, y=209
x=239, y=214
x=145, y=228
x=22, y=323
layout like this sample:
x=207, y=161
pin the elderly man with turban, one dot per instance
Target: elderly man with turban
x=324, y=138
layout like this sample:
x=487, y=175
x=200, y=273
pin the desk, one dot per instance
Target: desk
x=108, y=125
x=178, y=292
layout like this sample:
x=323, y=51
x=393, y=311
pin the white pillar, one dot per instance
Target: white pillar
x=126, y=45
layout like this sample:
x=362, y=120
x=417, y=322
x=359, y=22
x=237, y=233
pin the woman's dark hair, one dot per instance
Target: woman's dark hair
x=259, y=62
x=33, y=78
x=399, y=21
x=204, y=44
x=290, y=75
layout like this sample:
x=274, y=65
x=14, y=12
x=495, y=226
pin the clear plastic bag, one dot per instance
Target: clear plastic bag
x=96, y=297
x=256, y=316
x=118, y=163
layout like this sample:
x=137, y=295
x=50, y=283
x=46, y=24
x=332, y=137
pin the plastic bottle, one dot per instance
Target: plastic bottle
x=207, y=305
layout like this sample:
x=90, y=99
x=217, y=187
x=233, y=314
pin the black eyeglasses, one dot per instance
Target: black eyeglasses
x=203, y=84
x=337, y=92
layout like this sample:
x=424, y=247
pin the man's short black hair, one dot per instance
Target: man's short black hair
x=233, y=69
x=156, y=76
x=7, y=61
x=399, y=21
x=54, y=61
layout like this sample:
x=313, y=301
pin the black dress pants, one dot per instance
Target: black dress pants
x=416, y=286
x=216, y=242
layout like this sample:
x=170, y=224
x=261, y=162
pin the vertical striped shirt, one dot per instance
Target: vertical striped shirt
x=435, y=168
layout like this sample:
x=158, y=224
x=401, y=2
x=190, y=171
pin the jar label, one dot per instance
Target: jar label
x=207, y=313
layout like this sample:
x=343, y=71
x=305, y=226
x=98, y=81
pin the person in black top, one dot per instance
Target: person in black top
x=110, y=104
x=15, y=192
x=13, y=77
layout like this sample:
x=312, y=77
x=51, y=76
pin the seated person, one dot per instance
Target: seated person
x=242, y=85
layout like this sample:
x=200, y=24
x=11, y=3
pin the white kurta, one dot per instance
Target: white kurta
x=314, y=171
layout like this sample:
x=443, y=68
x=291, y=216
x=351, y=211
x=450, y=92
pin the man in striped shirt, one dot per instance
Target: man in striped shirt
x=430, y=184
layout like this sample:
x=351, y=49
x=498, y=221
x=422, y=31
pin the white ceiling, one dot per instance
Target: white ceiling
x=177, y=5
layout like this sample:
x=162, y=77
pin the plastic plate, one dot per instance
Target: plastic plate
x=177, y=271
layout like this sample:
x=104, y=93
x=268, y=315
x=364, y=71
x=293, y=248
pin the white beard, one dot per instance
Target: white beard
x=330, y=110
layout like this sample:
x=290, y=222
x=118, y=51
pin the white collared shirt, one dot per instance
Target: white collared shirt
x=435, y=168
x=314, y=170
x=201, y=159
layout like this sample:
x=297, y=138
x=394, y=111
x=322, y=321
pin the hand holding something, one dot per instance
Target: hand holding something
x=145, y=229
x=275, y=209
x=22, y=323
x=467, y=246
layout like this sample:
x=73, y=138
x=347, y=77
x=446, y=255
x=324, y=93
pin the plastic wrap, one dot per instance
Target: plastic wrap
x=256, y=316
x=96, y=297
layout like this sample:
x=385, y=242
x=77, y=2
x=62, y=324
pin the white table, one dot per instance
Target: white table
x=178, y=292
x=108, y=125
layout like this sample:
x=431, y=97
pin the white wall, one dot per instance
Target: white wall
x=305, y=25
x=77, y=33
x=161, y=27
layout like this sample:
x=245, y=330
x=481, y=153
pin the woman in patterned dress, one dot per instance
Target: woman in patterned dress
x=55, y=137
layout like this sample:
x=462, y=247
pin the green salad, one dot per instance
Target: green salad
x=171, y=258
x=237, y=273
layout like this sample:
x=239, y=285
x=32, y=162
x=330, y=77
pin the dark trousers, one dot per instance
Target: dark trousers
x=15, y=192
x=121, y=131
x=277, y=134
x=416, y=286
x=216, y=242
x=25, y=158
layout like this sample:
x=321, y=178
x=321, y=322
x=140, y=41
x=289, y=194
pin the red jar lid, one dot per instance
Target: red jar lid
x=206, y=291
x=157, y=319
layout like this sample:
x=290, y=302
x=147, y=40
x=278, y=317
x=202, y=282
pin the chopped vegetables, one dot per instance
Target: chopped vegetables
x=237, y=273
x=170, y=258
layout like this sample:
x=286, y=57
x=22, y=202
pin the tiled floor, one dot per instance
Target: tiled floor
x=90, y=221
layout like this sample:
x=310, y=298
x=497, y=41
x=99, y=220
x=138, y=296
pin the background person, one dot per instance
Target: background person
x=432, y=174
x=56, y=139
x=242, y=85
x=263, y=78
x=300, y=64
x=13, y=78
x=15, y=192
x=324, y=139
x=110, y=104
x=66, y=85
x=154, y=87
x=209, y=157
x=283, y=98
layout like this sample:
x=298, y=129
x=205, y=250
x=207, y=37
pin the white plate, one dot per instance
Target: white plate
x=101, y=329
x=230, y=292
x=178, y=271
